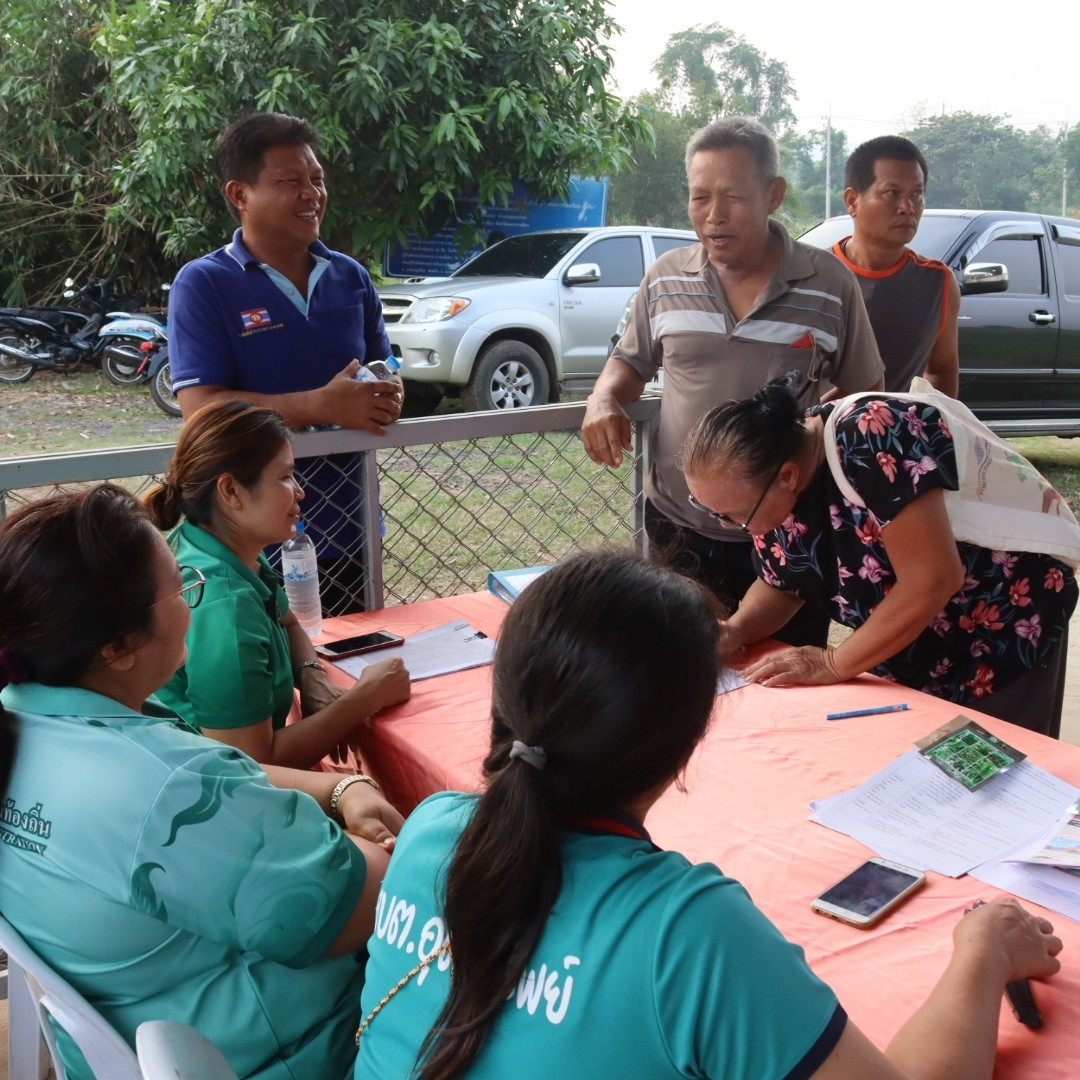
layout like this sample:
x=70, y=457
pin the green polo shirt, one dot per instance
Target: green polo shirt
x=165, y=878
x=239, y=668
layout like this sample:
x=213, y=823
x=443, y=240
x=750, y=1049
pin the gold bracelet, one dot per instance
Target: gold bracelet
x=344, y=784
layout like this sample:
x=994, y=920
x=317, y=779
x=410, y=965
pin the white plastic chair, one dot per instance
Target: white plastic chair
x=172, y=1051
x=36, y=992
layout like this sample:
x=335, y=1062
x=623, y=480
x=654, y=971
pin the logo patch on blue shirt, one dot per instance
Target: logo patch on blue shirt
x=255, y=317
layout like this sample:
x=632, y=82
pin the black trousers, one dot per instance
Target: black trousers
x=726, y=568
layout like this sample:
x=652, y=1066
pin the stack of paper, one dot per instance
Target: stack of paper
x=455, y=646
x=912, y=812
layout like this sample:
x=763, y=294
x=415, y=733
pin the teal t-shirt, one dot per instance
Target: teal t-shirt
x=165, y=878
x=648, y=966
x=239, y=667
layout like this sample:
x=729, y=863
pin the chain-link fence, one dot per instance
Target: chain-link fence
x=429, y=509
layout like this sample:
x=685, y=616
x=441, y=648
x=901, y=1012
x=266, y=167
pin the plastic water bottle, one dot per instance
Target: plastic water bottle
x=379, y=370
x=300, y=570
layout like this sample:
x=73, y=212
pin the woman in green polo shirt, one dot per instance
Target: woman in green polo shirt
x=534, y=931
x=160, y=873
x=231, y=479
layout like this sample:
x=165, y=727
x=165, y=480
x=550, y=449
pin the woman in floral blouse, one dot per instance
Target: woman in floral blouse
x=979, y=627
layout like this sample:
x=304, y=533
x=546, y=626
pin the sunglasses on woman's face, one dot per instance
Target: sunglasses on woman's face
x=730, y=522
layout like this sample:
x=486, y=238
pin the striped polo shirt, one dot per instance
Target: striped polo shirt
x=808, y=324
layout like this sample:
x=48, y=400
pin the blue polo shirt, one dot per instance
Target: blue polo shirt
x=165, y=878
x=647, y=966
x=233, y=324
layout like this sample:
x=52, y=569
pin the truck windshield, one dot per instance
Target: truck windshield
x=527, y=255
x=934, y=240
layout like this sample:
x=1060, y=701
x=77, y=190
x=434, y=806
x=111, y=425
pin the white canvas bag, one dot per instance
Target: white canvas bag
x=1003, y=503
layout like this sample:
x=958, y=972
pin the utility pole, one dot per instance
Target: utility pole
x=828, y=164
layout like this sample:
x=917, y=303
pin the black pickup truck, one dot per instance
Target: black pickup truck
x=1019, y=278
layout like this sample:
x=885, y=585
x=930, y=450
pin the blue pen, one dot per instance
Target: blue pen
x=865, y=712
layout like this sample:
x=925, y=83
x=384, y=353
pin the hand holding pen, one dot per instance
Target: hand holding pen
x=1027, y=944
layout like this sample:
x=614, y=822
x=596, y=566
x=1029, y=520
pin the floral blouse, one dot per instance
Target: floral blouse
x=1012, y=608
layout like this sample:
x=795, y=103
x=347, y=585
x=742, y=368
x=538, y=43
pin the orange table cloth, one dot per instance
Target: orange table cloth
x=768, y=752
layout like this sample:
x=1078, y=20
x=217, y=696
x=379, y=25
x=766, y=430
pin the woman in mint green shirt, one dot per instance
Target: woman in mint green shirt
x=161, y=873
x=535, y=932
x=231, y=479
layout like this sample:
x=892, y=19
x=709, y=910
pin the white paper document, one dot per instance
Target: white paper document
x=911, y=812
x=454, y=646
x=1055, y=889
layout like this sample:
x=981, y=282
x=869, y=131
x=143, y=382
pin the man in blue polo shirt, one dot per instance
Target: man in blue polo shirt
x=278, y=319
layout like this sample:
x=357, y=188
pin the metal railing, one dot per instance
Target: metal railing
x=441, y=500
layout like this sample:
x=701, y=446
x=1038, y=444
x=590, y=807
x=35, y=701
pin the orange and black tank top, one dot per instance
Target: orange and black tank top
x=906, y=305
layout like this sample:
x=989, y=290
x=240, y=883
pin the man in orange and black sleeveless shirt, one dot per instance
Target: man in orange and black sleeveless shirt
x=912, y=302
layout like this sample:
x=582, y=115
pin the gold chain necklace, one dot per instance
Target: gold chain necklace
x=403, y=981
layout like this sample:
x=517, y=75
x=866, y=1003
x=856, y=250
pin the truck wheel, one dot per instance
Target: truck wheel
x=507, y=375
x=162, y=392
x=13, y=370
x=421, y=399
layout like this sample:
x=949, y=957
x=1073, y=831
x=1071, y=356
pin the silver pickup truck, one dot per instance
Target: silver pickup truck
x=526, y=318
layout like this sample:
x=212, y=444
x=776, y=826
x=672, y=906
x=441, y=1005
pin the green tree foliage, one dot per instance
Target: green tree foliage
x=56, y=201
x=653, y=191
x=705, y=73
x=710, y=71
x=802, y=162
x=980, y=162
x=414, y=103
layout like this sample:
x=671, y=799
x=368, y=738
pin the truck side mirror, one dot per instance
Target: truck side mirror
x=980, y=278
x=582, y=274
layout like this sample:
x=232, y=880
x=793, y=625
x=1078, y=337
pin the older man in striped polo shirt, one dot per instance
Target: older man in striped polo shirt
x=742, y=307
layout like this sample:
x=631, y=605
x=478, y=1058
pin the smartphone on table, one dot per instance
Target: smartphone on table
x=869, y=893
x=350, y=646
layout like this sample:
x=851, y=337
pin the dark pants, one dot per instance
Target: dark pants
x=1034, y=700
x=725, y=567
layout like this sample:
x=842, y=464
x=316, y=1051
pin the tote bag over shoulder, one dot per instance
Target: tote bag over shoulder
x=1003, y=503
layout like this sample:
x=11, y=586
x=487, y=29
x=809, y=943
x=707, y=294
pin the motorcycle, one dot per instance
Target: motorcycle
x=65, y=338
x=133, y=341
x=160, y=377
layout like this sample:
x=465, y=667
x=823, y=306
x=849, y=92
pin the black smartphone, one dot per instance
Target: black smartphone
x=350, y=646
x=869, y=893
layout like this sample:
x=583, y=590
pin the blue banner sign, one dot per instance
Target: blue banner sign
x=437, y=255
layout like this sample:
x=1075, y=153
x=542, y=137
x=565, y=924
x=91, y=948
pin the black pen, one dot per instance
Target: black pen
x=1018, y=993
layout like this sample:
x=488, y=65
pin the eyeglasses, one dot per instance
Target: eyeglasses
x=731, y=522
x=192, y=592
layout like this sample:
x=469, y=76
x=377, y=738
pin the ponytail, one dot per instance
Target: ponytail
x=501, y=886
x=163, y=503
x=585, y=720
x=222, y=437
